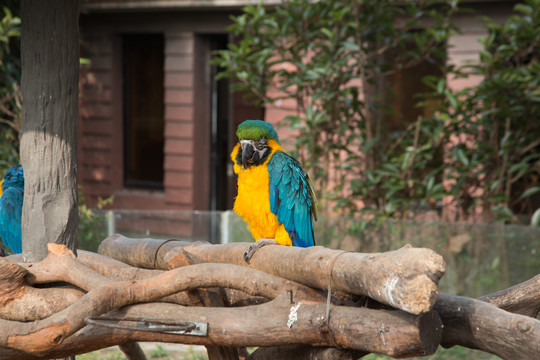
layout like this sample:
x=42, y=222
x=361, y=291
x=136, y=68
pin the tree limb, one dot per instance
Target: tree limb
x=379, y=276
x=394, y=332
x=48, y=333
x=523, y=298
x=478, y=325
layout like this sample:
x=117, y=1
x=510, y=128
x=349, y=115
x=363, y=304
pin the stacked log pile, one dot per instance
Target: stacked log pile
x=292, y=303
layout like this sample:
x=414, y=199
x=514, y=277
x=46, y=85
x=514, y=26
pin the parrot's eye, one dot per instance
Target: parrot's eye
x=261, y=143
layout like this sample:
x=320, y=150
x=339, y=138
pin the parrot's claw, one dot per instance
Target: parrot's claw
x=256, y=246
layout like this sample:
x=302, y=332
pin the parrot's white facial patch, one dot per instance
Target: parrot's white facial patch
x=254, y=151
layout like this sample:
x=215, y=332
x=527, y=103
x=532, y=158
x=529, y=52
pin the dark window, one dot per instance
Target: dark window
x=219, y=134
x=143, y=58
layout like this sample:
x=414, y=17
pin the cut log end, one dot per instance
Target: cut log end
x=431, y=329
x=418, y=297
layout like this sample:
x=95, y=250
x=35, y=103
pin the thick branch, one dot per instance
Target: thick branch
x=37, y=303
x=62, y=265
x=395, y=333
x=21, y=302
x=114, y=269
x=304, y=352
x=49, y=333
x=521, y=299
x=119, y=271
x=478, y=325
x=132, y=351
x=11, y=280
x=379, y=276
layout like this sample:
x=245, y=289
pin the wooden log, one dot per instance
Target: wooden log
x=213, y=298
x=11, y=280
x=523, y=298
x=37, y=303
x=391, y=332
x=46, y=334
x=406, y=279
x=21, y=302
x=478, y=325
x=304, y=352
x=133, y=351
x=61, y=265
x=119, y=271
x=114, y=269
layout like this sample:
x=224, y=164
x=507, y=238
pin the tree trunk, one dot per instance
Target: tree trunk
x=50, y=72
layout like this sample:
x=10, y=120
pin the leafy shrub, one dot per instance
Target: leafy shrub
x=479, y=148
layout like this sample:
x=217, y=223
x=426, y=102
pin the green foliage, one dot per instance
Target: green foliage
x=494, y=125
x=315, y=53
x=10, y=93
x=480, y=147
x=92, y=228
x=159, y=352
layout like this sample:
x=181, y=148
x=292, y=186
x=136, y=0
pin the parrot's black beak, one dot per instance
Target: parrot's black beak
x=249, y=155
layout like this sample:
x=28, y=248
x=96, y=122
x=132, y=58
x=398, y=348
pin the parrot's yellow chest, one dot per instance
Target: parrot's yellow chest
x=253, y=203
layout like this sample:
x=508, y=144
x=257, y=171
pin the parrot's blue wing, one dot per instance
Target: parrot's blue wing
x=292, y=198
x=10, y=219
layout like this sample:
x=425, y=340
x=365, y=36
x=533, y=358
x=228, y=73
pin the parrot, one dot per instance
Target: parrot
x=275, y=194
x=11, y=201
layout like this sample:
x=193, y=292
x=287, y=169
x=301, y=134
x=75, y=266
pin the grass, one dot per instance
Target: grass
x=454, y=353
x=153, y=351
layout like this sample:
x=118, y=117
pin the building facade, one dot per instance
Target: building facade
x=155, y=129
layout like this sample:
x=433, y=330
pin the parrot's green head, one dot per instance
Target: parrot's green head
x=256, y=129
x=254, y=136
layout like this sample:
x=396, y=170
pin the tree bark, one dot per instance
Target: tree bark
x=304, y=352
x=521, y=299
x=394, y=332
x=133, y=351
x=50, y=71
x=478, y=325
x=379, y=276
x=119, y=271
x=467, y=322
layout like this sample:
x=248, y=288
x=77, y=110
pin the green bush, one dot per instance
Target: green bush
x=315, y=53
x=92, y=227
x=496, y=122
x=10, y=93
x=480, y=147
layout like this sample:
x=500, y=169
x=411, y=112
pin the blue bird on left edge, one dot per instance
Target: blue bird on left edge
x=11, y=203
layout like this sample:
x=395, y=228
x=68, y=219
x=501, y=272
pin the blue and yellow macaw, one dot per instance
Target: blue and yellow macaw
x=11, y=201
x=275, y=194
